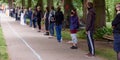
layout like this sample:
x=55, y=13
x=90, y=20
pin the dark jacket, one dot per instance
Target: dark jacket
x=30, y=14
x=39, y=15
x=115, y=22
x=59, y=17
x=90, y=22
x=74, y=23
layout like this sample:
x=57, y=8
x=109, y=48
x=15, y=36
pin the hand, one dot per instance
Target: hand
x=86, y=32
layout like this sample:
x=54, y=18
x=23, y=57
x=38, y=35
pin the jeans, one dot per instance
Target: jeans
x=30, y=22
x=51, y=29
x=58, y=32
x=34, y=22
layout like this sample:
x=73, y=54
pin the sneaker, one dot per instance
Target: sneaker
x=46, y=33
x=39, y=31
x=74, y=47
x=90, y=55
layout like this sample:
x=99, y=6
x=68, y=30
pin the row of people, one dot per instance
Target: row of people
x=54, y=18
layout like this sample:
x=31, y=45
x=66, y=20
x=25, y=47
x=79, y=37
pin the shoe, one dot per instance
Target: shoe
x=74, y=47
x=46, y=33
x=90, y=55
x=39, y=31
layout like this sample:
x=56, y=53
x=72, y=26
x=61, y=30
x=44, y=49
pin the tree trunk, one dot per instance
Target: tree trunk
x=23, y=3
x=68, y=6
x=29, y=3
x=84, y=2
x=49, y=3
x=10, y=3
x=40, y=3
x=100, y=13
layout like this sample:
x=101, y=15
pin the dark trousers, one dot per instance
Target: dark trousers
x=16, y=16
x=34, y=22
x=90, y=43
x=39, y=24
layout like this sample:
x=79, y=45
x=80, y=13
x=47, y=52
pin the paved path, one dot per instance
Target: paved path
x=26, y=44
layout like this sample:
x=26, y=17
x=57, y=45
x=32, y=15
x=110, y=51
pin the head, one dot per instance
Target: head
x=30, y=9
x=73, y=12
x=58, y=9
x=89, y=5
x=47, y=9
x=52, y=8
x=38, y=8
x=117, y=7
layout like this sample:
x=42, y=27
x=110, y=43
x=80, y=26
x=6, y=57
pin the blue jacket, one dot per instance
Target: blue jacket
x=30, y=14
x=74, y=23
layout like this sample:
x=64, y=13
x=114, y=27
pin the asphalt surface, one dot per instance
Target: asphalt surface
x=24, y=43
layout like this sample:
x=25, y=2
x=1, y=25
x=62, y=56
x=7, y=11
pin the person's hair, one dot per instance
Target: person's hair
x=116, y=5
x=58, y=8
x=75, y=11
x=47, y=8
x=90, y=4
x=52, y=7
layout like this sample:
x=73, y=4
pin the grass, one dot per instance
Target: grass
x=106, y=53
x=3, y=50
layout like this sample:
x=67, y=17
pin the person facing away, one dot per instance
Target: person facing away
x=34, y=18
x=30, y=16
x=59, y=18
x=90, y=22
x=74, y=25
x=46, y=16
x=116, y=31
x=51, y=21
x=39, y=16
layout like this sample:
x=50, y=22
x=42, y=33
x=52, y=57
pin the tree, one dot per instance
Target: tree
x=29, y=3
x=10, y=3
x=68, y=6
x=84, y=2
x=100, y=13
x=23, y=3
x=40, y=3
x=49, y=3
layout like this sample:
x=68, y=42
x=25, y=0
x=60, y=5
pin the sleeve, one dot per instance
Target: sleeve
x=116, y=20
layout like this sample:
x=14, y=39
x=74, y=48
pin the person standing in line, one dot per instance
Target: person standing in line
x=30, y=16
x=74, y=25
x=16, y=13
x=39, y=16
x=116, y=31
x=51, y=21
x=34, y=18
x=46, y=16
x=90, y=22
x=59, y=18
x=25, y=15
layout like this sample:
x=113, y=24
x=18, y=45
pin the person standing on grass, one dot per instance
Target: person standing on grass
x=51, y=21
x=39, y=16
x=74, y=25
x=59, y=18
x=90, y=22
x=46, y=16
x=116, y=31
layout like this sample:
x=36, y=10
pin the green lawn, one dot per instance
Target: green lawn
x=104, y=52
x=3, y=50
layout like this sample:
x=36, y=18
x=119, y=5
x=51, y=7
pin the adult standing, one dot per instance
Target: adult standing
x=59, y=18
x=34, y=18
x=51, y=21
x=39, y=16
x=90, y=22
x=46, y=16
x=116, y=31
x=30, y=16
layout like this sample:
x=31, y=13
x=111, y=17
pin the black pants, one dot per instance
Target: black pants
x=39, y=24
x=90, y=43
